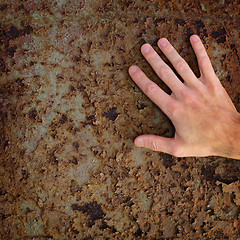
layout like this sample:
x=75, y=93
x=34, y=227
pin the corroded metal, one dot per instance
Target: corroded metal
x=70, y=112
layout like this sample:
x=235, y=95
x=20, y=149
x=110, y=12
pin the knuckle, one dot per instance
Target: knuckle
x=169, y=49
x=189, y=96
x=151, y=88
x=153, y=146
x=199, y=47
x=162, y=71
x=175, y=109
x=151, y=55
x=204, y=62
x=176, y=151
x=181, y=65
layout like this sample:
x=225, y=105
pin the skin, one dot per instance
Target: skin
x=205, y=119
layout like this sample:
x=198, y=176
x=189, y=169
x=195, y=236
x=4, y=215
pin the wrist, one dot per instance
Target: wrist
x=229, y=137
x=234, y=137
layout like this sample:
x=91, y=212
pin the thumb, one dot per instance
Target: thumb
x=156, y=143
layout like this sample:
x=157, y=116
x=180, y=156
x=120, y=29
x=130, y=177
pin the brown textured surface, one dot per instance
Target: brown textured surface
x=69, y=113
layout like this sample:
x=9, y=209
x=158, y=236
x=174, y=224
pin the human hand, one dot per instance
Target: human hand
x=205, y=119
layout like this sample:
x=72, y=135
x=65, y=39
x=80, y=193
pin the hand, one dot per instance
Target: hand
x=205, y=119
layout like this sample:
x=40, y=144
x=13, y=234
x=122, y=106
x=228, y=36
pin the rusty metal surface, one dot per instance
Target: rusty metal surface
x=70, y=112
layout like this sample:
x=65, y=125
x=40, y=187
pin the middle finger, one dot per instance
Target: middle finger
x=178, y=62
x=162, y=69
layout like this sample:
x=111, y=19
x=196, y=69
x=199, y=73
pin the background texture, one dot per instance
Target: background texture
x=69, y=113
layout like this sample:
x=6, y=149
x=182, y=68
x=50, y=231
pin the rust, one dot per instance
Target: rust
x=69, y=113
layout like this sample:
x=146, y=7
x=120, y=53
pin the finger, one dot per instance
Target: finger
x=178, y=62
x=204, y=62
x=155, y=143
x=162, y=69
x=151, y=89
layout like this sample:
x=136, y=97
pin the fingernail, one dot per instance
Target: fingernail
x=146, y=48
x=195, y=38
x=139, y=142
x=163, y=43
x=133, y=69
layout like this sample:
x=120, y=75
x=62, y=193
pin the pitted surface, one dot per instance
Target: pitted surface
x=70, y=112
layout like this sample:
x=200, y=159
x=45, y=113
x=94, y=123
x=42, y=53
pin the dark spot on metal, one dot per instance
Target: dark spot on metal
x=111, y=114
x=19, y=80
x=128, y=201
x=135, y=20
x=155, y=43
x=14, y=33
x=167, y=160
x=208, y=172
x=221, y=40
x=3, y=7
x=74, y=187
x=158, y=20
x=72, y=88
x=142, y=41
x=200, y=24
x=189, y=32
x=53, y=159
x=229, y=79
x=4, y=216
x=227, y=180
x=138, y=233
x=3, y=192
x=169, y=213
x=25, y=175
x=184, y=165
x=104, y=225
x=180, y=22
x=76, y=145
x=63, y=119
x=201, y=28
x=219, y=33
x=90, y=117
x=3, y=67
x=210, y=211
x=10, y=51
x=88, y=238
x=6, y=144
x=74, y=161
x=32, y=114
x=31, y=63
x=122, y=50
x=141, y=106
x=3, y=35
x=23, y=8
x=81, y=87
x=75, y=231
x=77, y=59
x=93, y=209
x=141, y=33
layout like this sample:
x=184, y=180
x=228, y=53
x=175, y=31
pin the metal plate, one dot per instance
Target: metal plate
x=70, y=112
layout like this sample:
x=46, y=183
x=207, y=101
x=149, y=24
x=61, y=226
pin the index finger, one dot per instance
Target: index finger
x=151, y=89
